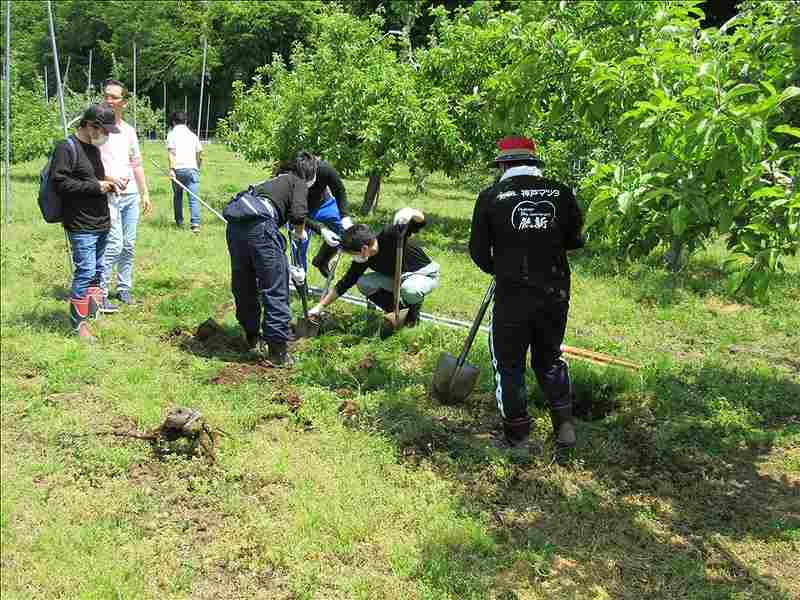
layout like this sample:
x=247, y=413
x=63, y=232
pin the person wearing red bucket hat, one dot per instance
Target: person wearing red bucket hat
x=522, y=227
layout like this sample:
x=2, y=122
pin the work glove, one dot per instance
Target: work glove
x=404, y=215
x=316, y=312
x=298, y=275
x=330, y=238
x=347, y=223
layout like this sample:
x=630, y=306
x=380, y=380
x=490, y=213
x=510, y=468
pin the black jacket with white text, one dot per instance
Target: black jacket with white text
x=522, y=227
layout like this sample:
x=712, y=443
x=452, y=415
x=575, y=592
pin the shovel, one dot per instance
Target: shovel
x=395, y=320
x=305, y=327
x=454, y=380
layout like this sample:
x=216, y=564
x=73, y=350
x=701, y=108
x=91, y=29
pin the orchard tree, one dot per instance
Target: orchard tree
x=347, y=98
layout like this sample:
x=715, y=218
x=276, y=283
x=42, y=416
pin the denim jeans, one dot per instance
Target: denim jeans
x=88, y=248
x=328, y=215
x=191, y=179
x=124, y=212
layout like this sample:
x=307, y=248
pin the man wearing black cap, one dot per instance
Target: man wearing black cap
x=78, y=177
x=522, y=227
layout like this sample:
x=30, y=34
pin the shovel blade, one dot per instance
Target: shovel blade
x=452, y=385
x=395, y=322
x=305, y=328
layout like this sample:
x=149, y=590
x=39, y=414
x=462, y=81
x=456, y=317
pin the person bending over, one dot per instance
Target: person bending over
x=378, y=252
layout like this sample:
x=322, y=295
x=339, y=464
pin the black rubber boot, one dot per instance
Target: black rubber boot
x=563, y=427
x=252, y=339
x=278, y=355
x=323, y=258
x=412, y=320
x=384, y=299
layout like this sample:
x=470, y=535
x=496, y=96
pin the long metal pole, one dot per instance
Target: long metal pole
x=46, y=92
x=61, y=105
x=89, y=77
x=166, y=123
x=202, y=82
x=188, y=191
x=8, y=114
x=208, y=112
x=58, y=69
x=134, y=86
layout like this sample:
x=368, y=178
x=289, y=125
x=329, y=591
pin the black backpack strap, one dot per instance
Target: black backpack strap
x=73, y=152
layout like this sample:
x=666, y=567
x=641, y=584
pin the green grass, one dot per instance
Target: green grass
x=343, y=479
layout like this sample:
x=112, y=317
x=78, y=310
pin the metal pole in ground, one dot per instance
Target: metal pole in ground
x=134, y=86
x=202, y=82
x=61, y=106
x=58, y=69
x=7, y=192
x=46, y=92
x=166, y=124
x=208, y=112
x=89, y=76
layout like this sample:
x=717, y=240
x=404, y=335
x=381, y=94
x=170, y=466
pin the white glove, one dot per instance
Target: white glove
x=404, y=215
x=298, y=275
x=330, y=238
x=347, y=223
x=316, y=311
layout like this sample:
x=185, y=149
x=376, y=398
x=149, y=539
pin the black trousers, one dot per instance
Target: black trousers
x=260, y=278
x=525, y=319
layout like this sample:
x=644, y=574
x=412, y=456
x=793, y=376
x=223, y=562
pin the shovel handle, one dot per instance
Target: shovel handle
x=476, y=324
x=302, y=290
x=398, y=270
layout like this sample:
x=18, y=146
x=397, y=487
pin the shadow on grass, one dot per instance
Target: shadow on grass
x=644, y=507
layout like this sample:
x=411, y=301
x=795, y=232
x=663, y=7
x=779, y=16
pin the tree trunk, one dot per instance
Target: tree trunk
x=674, y=255
x=371, y=195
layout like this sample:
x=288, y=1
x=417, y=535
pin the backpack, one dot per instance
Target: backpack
x=49, y=201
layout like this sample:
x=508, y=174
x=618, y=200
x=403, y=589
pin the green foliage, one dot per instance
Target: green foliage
x=347, y=98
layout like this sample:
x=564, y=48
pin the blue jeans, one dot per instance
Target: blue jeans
x=124, y=212
x=328, y=215
x=260, y=278
x=88, y=248
x=191, y=179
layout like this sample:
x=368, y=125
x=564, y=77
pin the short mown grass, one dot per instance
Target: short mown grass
x=344, y=479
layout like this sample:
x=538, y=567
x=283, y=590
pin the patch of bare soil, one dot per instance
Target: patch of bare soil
x=788, y=361
x=236, y=373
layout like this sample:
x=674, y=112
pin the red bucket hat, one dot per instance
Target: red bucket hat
x=514, y=148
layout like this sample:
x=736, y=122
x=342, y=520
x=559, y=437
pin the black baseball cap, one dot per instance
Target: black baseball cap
x=101, y=115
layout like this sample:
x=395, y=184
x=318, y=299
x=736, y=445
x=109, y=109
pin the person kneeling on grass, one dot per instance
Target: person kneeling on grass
x=419, y=275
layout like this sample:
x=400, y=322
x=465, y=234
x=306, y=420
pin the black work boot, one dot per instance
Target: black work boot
x=323, y=258
x=277, y=354
x=412, y=320
x=563, y=427
x=251, y=339
x=382, y=298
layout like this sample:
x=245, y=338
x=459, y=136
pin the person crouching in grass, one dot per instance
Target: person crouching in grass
x=378, y=252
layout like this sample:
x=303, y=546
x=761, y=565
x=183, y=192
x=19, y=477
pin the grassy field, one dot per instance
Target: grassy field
x=343, y=479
